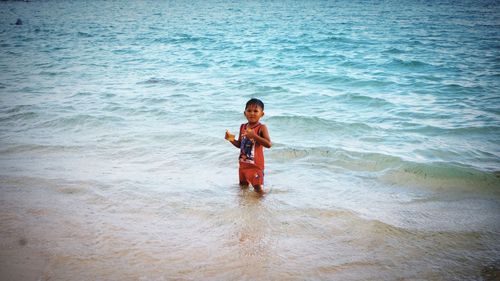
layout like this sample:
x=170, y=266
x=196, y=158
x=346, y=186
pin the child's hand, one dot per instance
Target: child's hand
x=229, y=136
x=250, y=133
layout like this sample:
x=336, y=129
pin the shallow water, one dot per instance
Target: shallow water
x=384, y=118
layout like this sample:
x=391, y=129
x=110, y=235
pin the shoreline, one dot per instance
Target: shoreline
x=51, y=232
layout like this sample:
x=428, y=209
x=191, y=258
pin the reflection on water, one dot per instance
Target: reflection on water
x=253, y=231
x=252, y=220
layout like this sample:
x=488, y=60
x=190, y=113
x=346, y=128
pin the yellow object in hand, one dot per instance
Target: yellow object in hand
x=229, y=136
x=250, y=133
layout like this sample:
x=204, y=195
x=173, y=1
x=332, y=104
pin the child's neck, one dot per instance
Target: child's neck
x=253, y=123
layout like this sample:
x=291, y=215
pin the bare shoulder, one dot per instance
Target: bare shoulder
x=263, y=129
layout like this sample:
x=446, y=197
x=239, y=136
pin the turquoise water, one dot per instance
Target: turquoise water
x=384, y=118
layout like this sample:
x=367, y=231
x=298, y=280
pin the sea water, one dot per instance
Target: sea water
x=384, y=118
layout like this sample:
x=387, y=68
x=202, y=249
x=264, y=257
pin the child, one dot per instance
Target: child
x=252, y=138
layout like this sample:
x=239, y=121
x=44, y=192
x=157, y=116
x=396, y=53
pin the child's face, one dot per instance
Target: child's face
x=253, y=113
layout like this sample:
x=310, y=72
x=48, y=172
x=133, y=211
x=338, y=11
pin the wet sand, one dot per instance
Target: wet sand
x=69, y=231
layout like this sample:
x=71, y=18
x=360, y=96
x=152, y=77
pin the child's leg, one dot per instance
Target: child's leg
x=255, y=177
x=243, y=181
x=259, y=189
x=257, y=181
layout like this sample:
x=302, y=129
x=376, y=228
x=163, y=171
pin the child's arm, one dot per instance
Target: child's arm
x=262, y=139
x=230, y=138
x=236, y=143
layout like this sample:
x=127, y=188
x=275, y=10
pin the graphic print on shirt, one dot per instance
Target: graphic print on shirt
x=247, y=150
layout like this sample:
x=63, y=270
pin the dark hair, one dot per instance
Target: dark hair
x=256, y=102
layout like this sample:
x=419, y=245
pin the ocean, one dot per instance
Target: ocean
x=384, y=117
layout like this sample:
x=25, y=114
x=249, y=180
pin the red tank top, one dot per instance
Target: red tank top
x=251, y=152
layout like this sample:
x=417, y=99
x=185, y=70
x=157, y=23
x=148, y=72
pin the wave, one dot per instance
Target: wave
x=364, y=100
x=458, y=131
x=245, y=63
x=409, y=64
x=300, y=49
x=52, y=73
x=458, y=88
x=155, y=80
x=315, y=123
x=33, y=148
x=84, y=34
x=337, y=158
x=20, y=116
x=344, y=80
x=125, y=51
x=394, y=51
x=180, y=38
x=322, y=78
x=168, y=82
x=270, y=89
x=443, y=176
x=153, y=100
x=82, y=94
x=392, y=169
x=19, y=108
x=19, y=113
x=339, y=39
x=80, y=120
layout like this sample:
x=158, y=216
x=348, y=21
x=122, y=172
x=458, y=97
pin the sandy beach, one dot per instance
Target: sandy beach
x=63, y=231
